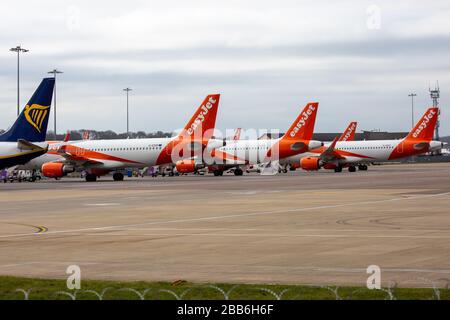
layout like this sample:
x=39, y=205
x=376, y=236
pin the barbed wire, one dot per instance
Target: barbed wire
x=390, y=291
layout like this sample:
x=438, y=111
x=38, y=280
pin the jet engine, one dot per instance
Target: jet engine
x=56, y=170
x=310, y=163
x=187, y=166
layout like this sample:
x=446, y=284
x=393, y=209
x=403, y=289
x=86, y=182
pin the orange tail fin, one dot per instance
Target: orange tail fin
x=204, y=119
x=424, y=128
x=86, y=135
x=349, y=133
x=67, y=136
x=303, y=126
x=237, y=134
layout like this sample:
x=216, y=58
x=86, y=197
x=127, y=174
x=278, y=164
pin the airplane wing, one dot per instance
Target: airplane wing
x=226, y=158
x=79, y=160
x=70, y=155
x=330, y=154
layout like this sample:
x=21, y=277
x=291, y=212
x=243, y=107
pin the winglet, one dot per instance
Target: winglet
x=303, y=126
x=329, y=152
x=424, y=128
x=349, y=133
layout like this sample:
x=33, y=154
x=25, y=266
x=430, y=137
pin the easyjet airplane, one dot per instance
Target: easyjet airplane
x=294, y=162
x=339, y=154
x=25, y=140
x=98, y=157
x=239, y=153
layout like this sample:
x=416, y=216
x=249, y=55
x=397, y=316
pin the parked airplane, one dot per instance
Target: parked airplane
x=293, y=162
x=98, y=157
x=339, y=154
x=25, y=139
x=239, y=153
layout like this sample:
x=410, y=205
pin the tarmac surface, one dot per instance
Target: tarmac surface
x=300, y=227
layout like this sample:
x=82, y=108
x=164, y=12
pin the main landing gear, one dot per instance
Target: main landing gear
x=351, y=169
x=90, y=177
x=238, y=172
x=338, y=169
x=118, y=176
x=218, y=173
x=362, y=167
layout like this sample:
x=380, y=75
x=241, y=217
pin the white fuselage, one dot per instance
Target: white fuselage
x=251, y=151
x=110, y=154
x=361, y=151
x=262, y=151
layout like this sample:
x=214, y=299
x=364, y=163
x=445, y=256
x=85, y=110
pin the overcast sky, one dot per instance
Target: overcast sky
x=359, y=59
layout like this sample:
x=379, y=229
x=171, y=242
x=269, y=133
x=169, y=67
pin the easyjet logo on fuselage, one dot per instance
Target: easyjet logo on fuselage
x=305, y=116
x=201, y=115
x=424, y=123
x=349, y=132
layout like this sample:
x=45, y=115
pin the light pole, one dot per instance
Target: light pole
x=128, y=123
x=412, y=95
x=18, y=49
x=54, y=72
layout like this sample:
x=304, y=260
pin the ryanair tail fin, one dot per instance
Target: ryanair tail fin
x=31, y=125
x=303, y=126
x=349, y=133
x=424, y=128
x=202, y=123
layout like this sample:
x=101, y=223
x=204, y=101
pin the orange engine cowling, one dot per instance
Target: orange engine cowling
x=310, y=163
x=55, y=170
x=187, y=166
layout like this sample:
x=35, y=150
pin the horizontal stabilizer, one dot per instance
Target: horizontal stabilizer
x=26, y=145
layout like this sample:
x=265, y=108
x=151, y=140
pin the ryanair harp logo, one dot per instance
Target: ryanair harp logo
x=35, y=115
